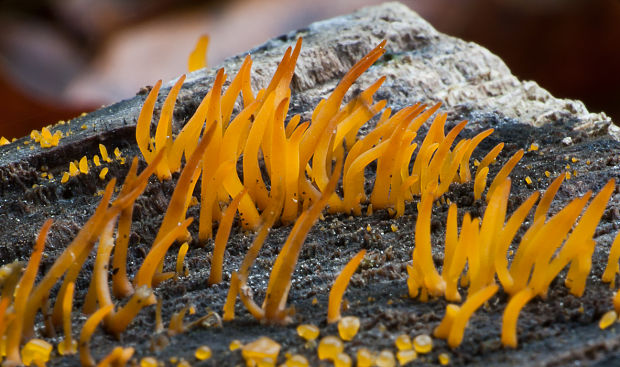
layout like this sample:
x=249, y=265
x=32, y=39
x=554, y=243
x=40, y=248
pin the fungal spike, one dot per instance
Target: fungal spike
x=22, y=294
x=230, y=96
x=100, y=270
x=464, y=173
x=118, y=357
x=146, y=273
x=441, y=155
x=163, y=133
x=450, y=167
x=451, y=241
x=508, y=232
x=209, y=204
x=490, y=229
x=69, y=346
x=480, y=182
x=187, y=139
x=472, y=303
x=442, y=331
x=422, y=255
x=143, y=125
x=490, y=157
x=503, y=173
x=179, y=202
x=511, y=316
x=181, y=259
x=547, y=198
x=340, y=285
x=198, y=57
x=353, y=180
x=121, y=286
x=223, y=232
x=280, y=278
x=228, y=312
x=612, y=268
x=142, y=297
x=252, y=177
x=86, y=359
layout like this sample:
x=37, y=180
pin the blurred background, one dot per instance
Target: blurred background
x=59, y=58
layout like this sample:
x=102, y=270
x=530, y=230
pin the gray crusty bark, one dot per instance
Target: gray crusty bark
x=421, y=65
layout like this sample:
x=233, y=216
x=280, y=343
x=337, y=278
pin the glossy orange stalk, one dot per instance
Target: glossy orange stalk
x=511, y=316
x=612, y=268
x=503, y=173
x=143, y=125
x=22, y=293
x=464, y=173
x=340, y=285
x=280, y=278
x=86, y=359
x=163, y=133
x=547, y=198
x=223, y=232
x=422, y=255
x=470, y=306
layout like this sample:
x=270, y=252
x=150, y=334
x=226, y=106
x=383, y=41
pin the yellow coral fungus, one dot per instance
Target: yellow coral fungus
x=22, y=293
x=118, y=357
x=340, y=285
x=198, y=57
x=68, y=346
x=472, y=303
x=181, y=259
x=217, y=260
x=86, y=359
x=504, y=172
x=511, y=315
x=612, y=268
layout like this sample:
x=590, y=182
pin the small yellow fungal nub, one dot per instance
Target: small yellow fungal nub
x=4, y=141
x=423, y=344
x=406, y=356
x=84, y=127
x=261, y=349
x=385, y=359
x=235, y=344
x=181, y=258
x=96, y=160
x=308, y=331
x=104, y=153
x=83, y=165
x=348, y=327
x=36, y=351
x=117, y=153
x=533, y=147
x=103, y=173
x=394, y=227
x=608, y=319
x=340, y=285
x=365, y=358
x=528, y=180
x=547, y=173
x=203, y=353
x=444, y=359
x=148, y=362
x=330, y=347
x=403, y=342
x=73, y=170
x=342, y=360
x=65, y=177
x=297, y=360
